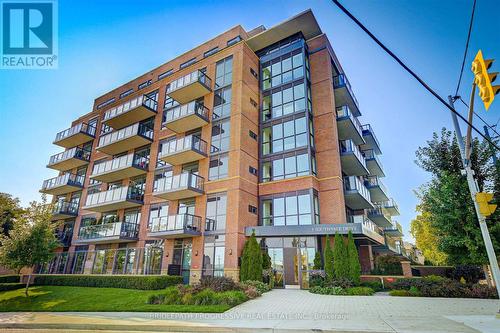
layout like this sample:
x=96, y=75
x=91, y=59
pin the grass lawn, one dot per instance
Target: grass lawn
x=85, y=299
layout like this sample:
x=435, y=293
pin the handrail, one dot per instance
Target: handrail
x=341, y=81
x=348, y=146
x=371, y=181
x=121, y=162
x=79, y=128
x=196, y=76
x=117, y=194
x=76, y=152
x=63, y=206
x=122, y=229
x=125, y=133
x=175, y=222
x=345, y=111
x=352, y=183
x=179, y=111
x=190, y=142
x=183, y=180
x=368, y=128
x=66, y=178
x=142, y=100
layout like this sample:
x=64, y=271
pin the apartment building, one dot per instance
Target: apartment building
x=252, y=131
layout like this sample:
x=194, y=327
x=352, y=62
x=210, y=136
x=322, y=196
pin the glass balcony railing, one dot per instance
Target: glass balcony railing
x=365, y=221
x=181, y=111
x=352, y=183
x=118, y=229
x=190, y=142
x=196, y=76
x=379, y=210
x=374, y=181
x=125, y=133
x=130, y=160
x=179, y=182
x=65, y=237
x=344, y=112
x=64, y=179
x=80, y=128
x=370, y=155
x=63, y=207
x=348, y=147
x=130, y=105
x=115, y=195
x=177, y=222
x=368, y=130
x=75, y=152
x=341, y=81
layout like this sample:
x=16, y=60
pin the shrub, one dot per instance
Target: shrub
x=204, y=297
x=327, y=290
x=449, y=288
x=405, y=283
x=251, y=260
x=266, y=260
x=317, y=261
x=156, y=299
x=387, y=265
x=316, y=278
x=261, y=287
x=471, y=274
x=252, y=292
x=141, y=282
x=360, y=291
x=218, y=283
x=482, y=291
x=402, y=292
x=341, y=282
x=374, y=284
x=231, y=298
x=9, y=278
x=11, y=286
x=340, y=260
x=328, y=255
x=354, y=266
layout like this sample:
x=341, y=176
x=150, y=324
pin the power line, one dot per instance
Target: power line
x=477, y=115
x=402, y=64
x=466, y=47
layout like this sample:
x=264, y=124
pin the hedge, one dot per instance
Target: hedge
x=9, y=278
x=11, y=286
x=141, y=282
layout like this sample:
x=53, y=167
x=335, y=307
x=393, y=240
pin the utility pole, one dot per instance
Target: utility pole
x=474, y=189
x=493, y=152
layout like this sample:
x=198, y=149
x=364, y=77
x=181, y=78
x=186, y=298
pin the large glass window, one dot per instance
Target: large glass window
x=288, y=166
x=224, y=72
x=216, y=212
x=283, y=69
x=285, y=100
x=220, y=136
x=290, y=209
x=222, y=103
x=218, y=167
x=284, y=136
x=213, y=255
x=156, y=211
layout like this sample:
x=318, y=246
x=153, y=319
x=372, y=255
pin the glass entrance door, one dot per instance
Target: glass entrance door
x=182, y=257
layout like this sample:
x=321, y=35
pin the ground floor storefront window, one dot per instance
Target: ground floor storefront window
x=213, y=255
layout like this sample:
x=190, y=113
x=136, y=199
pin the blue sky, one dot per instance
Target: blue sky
x=105, y=44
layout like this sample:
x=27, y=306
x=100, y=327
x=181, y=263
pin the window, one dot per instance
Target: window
x=163, y=145
x=289, y=166
x=216, y=212
x=157, y=211
x=254, y=103
x=252, y=209
x=187, y=63
x=254, y=73
x=283, y=101
x=252, y=170
x=285, y=136
x=144, y=84
x=105, y=103
x=290, y=209
x=165, y=74
x=224, y=72
x=220, y=136
x=211, y=51
x=126, y=93
x=252, y=135
x=218, y=167
x=169, y=103
x=213, y=255
x=233, y=40
x=283, y=69
x=222, y=103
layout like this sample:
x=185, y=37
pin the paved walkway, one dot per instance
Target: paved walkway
x=297, y=310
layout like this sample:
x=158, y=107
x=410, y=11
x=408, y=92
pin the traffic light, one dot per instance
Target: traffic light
x=483, y=79
x=483, y=200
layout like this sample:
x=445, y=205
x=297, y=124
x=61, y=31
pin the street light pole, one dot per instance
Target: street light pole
x=474, y=188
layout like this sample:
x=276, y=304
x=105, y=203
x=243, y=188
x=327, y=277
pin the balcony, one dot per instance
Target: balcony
x=114, y=199
x=344, y=95
x=378, y=191
x=370, y=139
x=368, y=227
x=117, y=232
x=127, y=166
x=186, y=117
x=69, y=159
x=189, y=87
x=380, y=216
x=175, y=226
x=348, y=126
x=395, y=230
x=64, y=210
x=391, y=207
x=64, y=237
x=356, y=195
x=351, y=159
x=131, y=112
x=184, y=150
x=66, y=183
x=75, y=136
x=373, y=163
x=125, y=139
x=182, y=186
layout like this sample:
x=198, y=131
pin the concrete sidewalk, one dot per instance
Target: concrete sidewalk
x=288, y=311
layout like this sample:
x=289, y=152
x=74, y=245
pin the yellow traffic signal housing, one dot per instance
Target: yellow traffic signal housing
x=483, y=200
x=483, y=79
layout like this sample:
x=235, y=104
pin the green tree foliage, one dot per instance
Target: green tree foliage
x=251, y=261
x=9, y=210
x=353, y=260
x=32, y=239
x=340, y=260
x=317, y=261
x=427, y=239
x=446, y=205
x=266, y=260
x=328, y=255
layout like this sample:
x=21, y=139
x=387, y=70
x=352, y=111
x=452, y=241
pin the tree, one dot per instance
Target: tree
x=251, y=261
x=9, y=211
x=328, y=255
x=32, y=240
x=266, y=260
x=353, y=259
x=340, y=263
x=317, y=261
x=445, y=202
x=426, y=237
